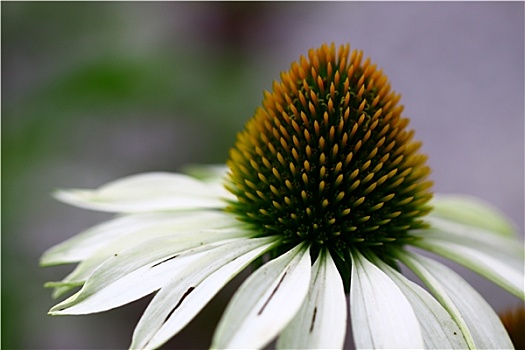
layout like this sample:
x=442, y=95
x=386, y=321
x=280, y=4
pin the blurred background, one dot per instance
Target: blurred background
x=93, y=91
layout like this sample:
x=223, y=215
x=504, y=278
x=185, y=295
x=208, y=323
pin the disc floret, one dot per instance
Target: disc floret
x=328, y=158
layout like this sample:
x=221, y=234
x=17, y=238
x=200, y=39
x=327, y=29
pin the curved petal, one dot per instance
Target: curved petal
x=135, y=229
x=115, y=262
x=382, y=317
x=480, y=325
x=472, y=211
x=186, y=293
x=107, y=288
x=321, y=321
x=496, y=270
x=475, y=237
x=265, y=302
x=440, y=331
x=148, y=192
x=86, y=267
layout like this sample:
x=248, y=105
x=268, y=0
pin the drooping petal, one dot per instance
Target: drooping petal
x=477, y=238
x=472, y=211
x=321, y=321
x=480, y=325
x=148, y=192
x=500, y=271
x=188, y=291
x=135, y=229
x=265, y=302
x=107, y=288
x=382, y=317
x=115, y=263
x=440, y=331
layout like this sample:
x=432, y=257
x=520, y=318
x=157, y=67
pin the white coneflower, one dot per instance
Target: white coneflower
x=327, y=190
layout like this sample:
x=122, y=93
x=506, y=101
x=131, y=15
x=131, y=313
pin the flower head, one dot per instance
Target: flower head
x=328, y=192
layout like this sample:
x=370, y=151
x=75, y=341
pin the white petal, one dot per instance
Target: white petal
x=175, y=305
x=265, y=302
x=480, y=325
x=496, y=270
x=125, y=262
x=148, y=192
x=321, y=321
x=472, y=211
x=475, y=237
x=440, y=331
x=382, y=317
x=134, y=228
x=107, y=288
x=86, y=267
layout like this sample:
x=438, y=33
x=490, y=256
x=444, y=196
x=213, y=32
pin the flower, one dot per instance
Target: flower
x=327, y=194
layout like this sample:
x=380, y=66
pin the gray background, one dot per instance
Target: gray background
x=96, y=91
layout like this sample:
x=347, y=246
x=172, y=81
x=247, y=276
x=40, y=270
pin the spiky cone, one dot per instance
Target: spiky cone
x=328, y=159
